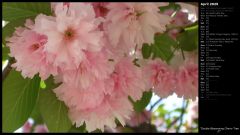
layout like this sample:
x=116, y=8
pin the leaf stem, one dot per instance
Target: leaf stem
x=183, y=54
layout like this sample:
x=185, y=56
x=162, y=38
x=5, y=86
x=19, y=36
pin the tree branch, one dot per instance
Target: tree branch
x=157, y=102
x=146, y=117
x=179, y=118
x=7, y=69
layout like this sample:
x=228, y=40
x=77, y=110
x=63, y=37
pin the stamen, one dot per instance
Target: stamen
x=69, y=34
x=34, y=47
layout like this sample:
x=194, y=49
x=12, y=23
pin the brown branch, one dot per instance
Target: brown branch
x=157, y=102
x=7, y=69
x=173, y=122
x=179, y=118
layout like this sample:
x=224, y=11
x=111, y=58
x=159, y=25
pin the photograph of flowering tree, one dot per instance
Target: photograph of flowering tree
x=100, y=67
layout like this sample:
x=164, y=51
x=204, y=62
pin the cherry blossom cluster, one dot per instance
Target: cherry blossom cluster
x=89, y=48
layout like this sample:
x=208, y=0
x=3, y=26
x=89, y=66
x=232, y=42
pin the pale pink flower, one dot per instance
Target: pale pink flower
x=139, y=118
x=27, y=47
x=187, y=80
x=54, y=4
x=191, y=9
x=96, y=66
x=80, y=98
x=100, y=8
x=95, y=106
x=192, y=112
x=73, y=31
x=104, y=114
x=178, y=60
x=173, y=33
x=131, y=24
x=161, y=4
x=27, y=127
x=186, y=73
x=118, y=129
x=41, y=129
x=180, y=19
x=104, y=100
x=158, y=121
x=127, y=79
x=161, y=77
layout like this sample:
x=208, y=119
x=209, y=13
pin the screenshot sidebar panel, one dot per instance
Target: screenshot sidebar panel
x=219, y=66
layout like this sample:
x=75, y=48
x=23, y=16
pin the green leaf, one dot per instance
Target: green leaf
x=19, y=98
x=168, y=122
x=36, y=115
x=3, y=62
x=141, y=104
x=142, y=128
x=22, y=10
x=9, y=28
x=171, y=5
x=178, y=110
x=49, y=84
x=17, y=13
x=127, y=130
x=5, y=52
x=97, y=131
x=42, y=84
x=188, y=40
x=53, y=111
x=161, y=111
x=191, y=26
x=146, y=51
x=81, y=129
x=162, y=47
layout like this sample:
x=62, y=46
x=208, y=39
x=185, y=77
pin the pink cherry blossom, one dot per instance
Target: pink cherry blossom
x=100, y=8
x=54, y=4
x=131, y=24
x=161, y=4
x=179, y=19
x=94, y=106
x=161, y=77
x=104, y=99
x=104, y=114
x=27, y=127
x=40, y=129
x=96, y=66
x=80, y=98
x=187, y=80
x=139, y=118
x=89, y=48
x=27, y=47
x=191, y=9
x=127, y=79
x=192, y=114
x=73, y=31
